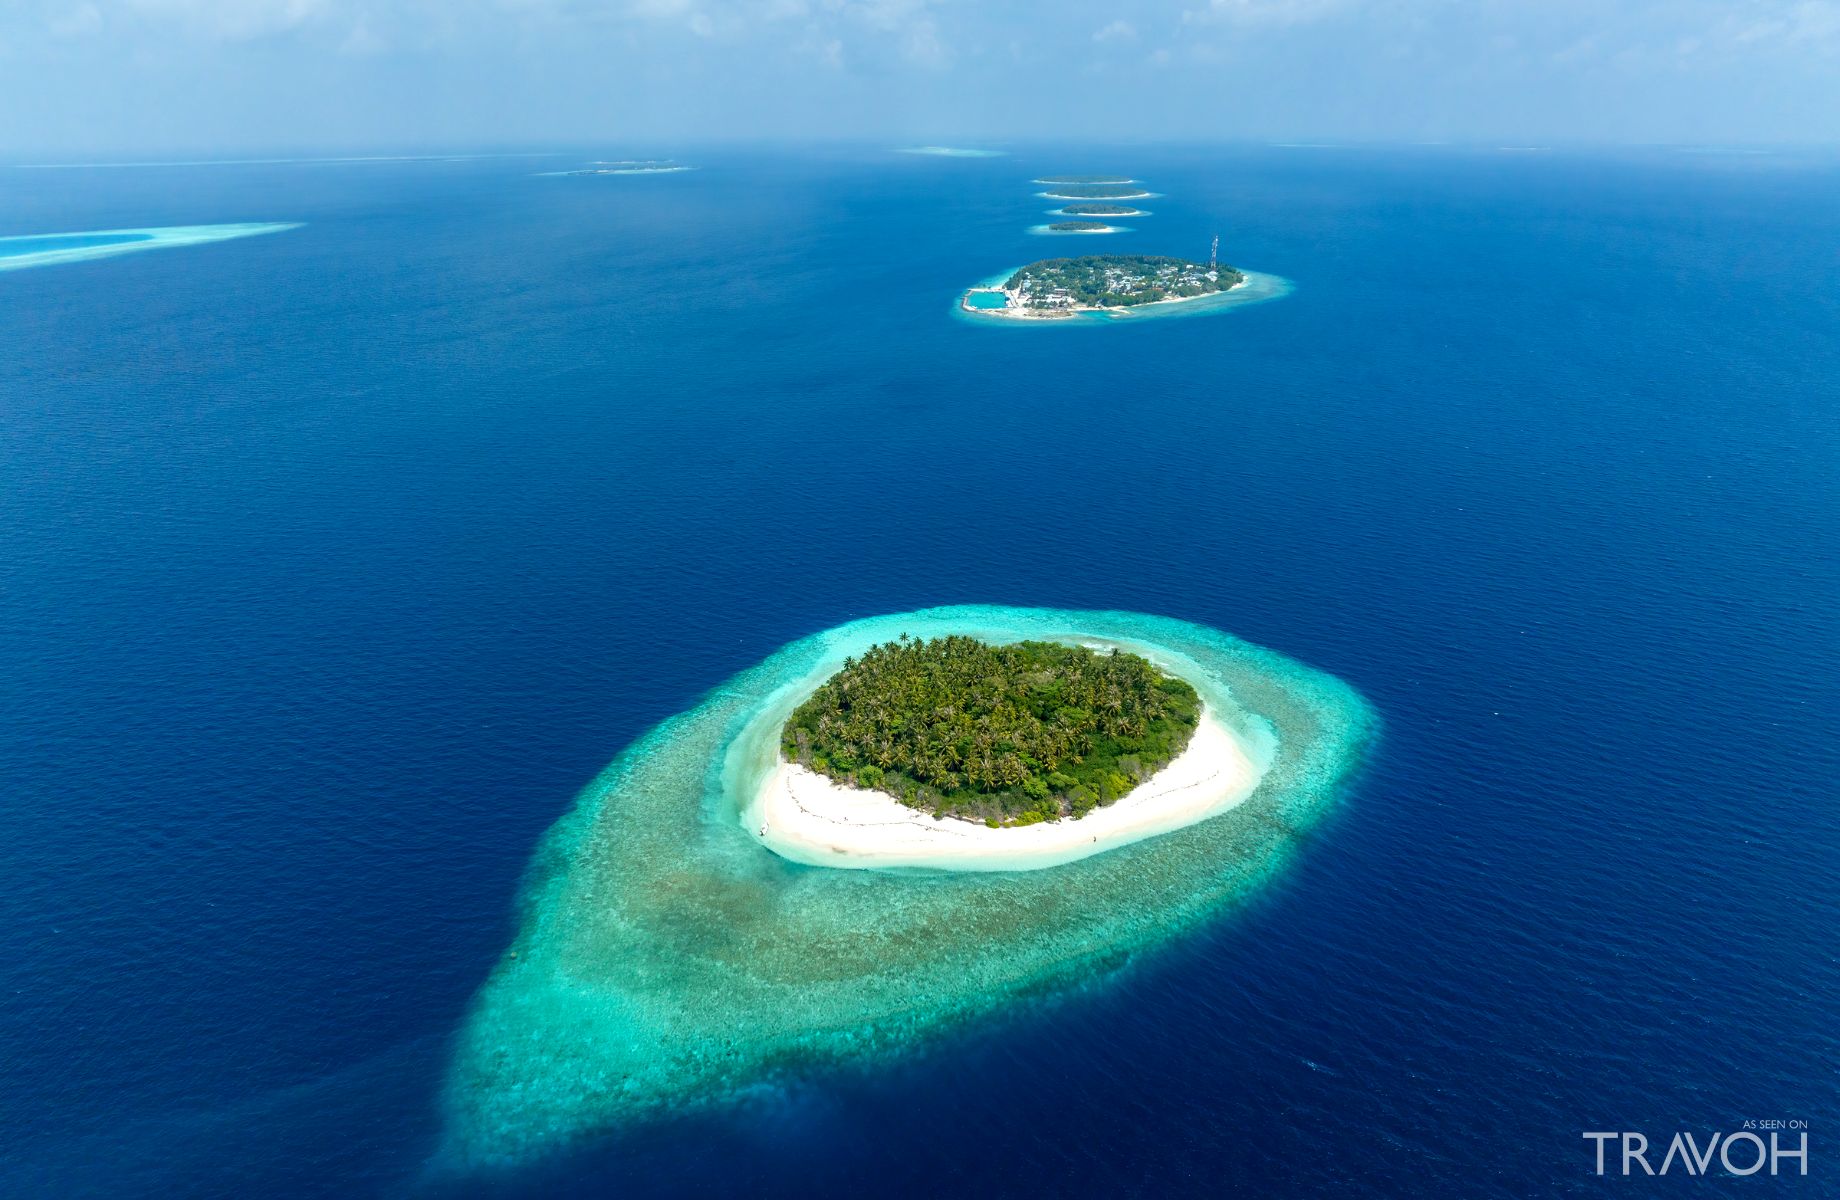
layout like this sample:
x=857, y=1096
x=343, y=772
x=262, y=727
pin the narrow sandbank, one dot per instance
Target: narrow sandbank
x=49, y=249
x=950, y=152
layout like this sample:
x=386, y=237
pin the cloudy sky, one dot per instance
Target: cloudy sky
x=84, y=77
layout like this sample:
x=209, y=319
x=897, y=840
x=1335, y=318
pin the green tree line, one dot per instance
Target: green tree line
x=1010, y=734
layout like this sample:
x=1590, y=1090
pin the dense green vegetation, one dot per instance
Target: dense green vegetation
x=1084, y=179
x=1010, y=735
x=1115, y=280
x=1078, y=226
x=1096, y=191
x=1098, y=210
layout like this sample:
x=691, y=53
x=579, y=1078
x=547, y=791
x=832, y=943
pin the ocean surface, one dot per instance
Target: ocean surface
x=335, y=562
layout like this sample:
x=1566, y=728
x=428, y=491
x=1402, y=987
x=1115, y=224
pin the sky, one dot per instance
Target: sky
x=86, y=78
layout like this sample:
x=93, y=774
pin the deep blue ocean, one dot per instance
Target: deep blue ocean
x=334, y=562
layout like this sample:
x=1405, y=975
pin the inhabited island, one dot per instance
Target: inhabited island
x=1005, y=735
x=1063, y=287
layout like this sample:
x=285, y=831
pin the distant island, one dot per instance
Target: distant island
x=629, y=167
x=1062, y=287
x=1079, y=227
x=1007, y=735
x=1095, y=191
x=950, y=152
x=1086, y=179
x=1101, y=210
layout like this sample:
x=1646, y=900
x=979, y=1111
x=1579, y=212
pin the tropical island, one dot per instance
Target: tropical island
x=1101, y=210
x=678, y=947
x=1079, y=227
x=1006, y=735
x=1062, y=287
x=1086, y=179
x=950, y=152
x=628, y=167
x=1095, y=191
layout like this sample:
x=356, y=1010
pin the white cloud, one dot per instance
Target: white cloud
x=235, y=19
x=1117, y=31
x=78, y=20
x=1264, y=12
x=1813, y=21
x=363, y=40
x=828, y=51
x=827, y=26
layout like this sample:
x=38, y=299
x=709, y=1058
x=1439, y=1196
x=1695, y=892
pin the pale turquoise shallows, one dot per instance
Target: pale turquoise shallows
x=50, y=249
x=667, y=960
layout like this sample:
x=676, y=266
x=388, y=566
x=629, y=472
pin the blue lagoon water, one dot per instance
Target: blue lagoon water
x=336, y=564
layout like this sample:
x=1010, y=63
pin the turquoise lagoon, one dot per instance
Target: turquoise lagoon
x=49, y=249
x=986, y=299
x=667, y=961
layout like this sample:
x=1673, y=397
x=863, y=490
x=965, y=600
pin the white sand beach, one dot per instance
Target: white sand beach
x=1098, y=199
x=808, y=818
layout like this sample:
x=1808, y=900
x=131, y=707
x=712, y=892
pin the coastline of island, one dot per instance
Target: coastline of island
x=1062, y=228
x=1090, y=211
x=665, y=960
x=804, y=816
x=1030, y=293
x=950, y=152
x=1105, y=194
x=624, y=167
x=958, y=753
